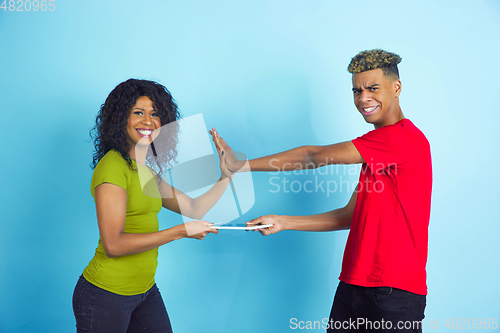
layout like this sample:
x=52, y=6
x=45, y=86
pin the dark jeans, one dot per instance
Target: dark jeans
x=98, y=310
x=376, y=309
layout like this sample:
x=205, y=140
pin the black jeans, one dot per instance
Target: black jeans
x=376, y=309
x=98, y=310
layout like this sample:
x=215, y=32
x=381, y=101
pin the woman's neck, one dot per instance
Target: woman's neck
x=138, y=154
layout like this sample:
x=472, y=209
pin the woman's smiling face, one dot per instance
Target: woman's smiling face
x=143, y=122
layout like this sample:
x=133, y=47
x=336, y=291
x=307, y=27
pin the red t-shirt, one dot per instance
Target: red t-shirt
x=387, y=243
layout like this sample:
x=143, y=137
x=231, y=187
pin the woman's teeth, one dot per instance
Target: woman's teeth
x=145, y=132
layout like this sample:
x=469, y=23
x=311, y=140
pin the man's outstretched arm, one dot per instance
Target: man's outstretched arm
x=338, y=219
x=305, y=157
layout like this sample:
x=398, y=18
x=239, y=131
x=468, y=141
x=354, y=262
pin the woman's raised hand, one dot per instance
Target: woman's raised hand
x=226, y=154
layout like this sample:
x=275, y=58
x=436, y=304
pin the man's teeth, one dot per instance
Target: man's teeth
x=145, y=132
x=370, y=109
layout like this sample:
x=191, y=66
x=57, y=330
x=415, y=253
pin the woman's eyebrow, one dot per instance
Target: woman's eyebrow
x=142, y=109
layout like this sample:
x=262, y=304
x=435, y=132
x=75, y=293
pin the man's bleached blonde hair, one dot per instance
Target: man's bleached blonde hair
x=374, y=59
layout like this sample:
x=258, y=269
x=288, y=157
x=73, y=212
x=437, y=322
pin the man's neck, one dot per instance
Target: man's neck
x=398, y=117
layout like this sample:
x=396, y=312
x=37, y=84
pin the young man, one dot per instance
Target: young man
x=383, y=280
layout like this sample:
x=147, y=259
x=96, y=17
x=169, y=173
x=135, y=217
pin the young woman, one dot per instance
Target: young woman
x=117, y=291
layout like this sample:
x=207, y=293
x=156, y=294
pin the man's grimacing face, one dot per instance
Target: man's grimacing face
x=376, y=97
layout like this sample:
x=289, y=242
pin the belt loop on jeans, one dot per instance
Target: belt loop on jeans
x=383, y=290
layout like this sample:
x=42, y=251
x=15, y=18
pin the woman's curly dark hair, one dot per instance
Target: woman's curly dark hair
x=109, y=131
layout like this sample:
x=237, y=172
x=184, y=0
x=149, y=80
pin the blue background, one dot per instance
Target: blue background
x=270, y=75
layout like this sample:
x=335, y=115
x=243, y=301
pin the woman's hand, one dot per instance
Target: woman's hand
x=226, y=154
x=275, y=220
x=224, y=171
x=197, y=229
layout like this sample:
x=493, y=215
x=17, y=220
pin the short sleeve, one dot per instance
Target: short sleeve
x=112, y=168
x=383, y=147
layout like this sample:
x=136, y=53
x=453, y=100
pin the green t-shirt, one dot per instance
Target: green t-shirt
x=129, y=274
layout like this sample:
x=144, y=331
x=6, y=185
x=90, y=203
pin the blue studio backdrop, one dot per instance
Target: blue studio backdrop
x=269, y=75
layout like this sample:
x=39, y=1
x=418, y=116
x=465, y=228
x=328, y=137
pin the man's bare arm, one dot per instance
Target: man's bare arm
x=338, y=219
x=305, y=157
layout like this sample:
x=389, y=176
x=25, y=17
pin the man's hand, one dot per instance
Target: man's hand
x=275, y=220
